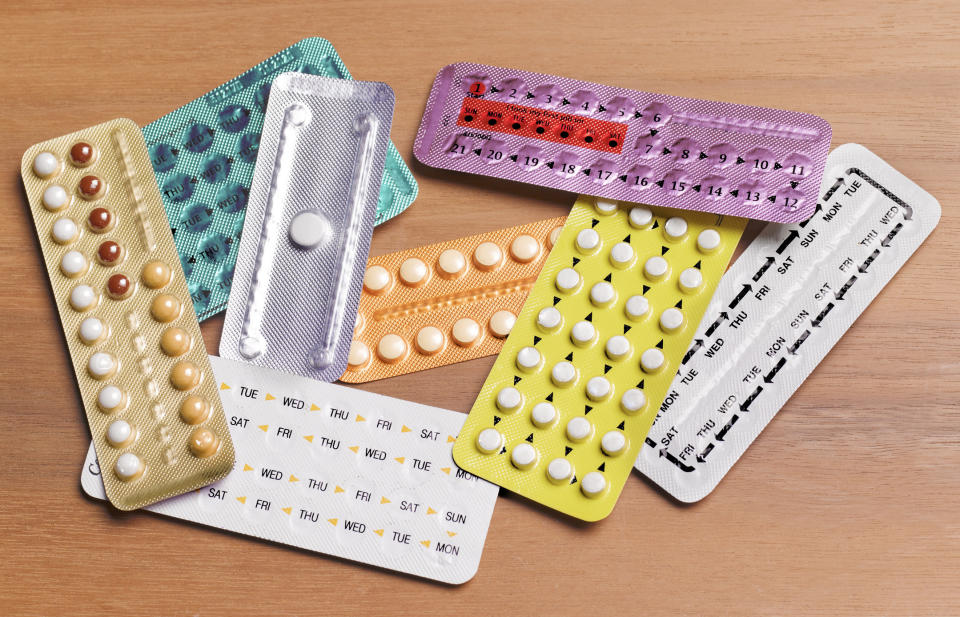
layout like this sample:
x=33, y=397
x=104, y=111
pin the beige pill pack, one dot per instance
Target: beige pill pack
x=134, y=341
x=445, y=303
x=340, y=471
x=777, y=312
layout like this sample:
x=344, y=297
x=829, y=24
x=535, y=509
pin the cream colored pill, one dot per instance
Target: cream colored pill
x=358, y=356
x=602, y=294
x=523, y=456
x=83, y=297
x=690, y=280
x=588, y=240
x=120, y=434
x=528, y=359
x=633, y=400
x=46, y=164
x=708, y=240
x=559, y=470
x=413, y=272
x=111, y=399
x=617, y=347
x=554, y=236
x=101, y=365
x=451, y=263
x=73, y=264
x=543, y=414
x=583, y=333
x=509, y=399
x=599, y=388
x=640, y=217
x=579, y=428
x=605, y=207
x=593, y=484
x=549, y=319
x=128, y=467
x=487, y=256
x=652, y=360
x=55, y=198
x=675, y=228
x=376, y=280
x=489, y=440
x=671, y=319
x=636, y=307
x=391, y=348
x=466, y=332
x=568, y=280
x=613, y=443
x=524, y=248
x=429, y=340
x=563, y=374
x=622, y=255
x=655, y=268
x=64, y=231
x=501, y=323
x=309, y=229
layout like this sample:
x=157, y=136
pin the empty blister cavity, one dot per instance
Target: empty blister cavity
x=309, y=219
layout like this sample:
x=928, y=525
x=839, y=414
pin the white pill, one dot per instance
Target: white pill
x=543, y=414
x=128, y=466
x=466, y=332
x=651, y=360
x=604, y=206
x=613, y=443
x=559, y=470
x=429, y=340
x=593, y=484
x=55, y=197
x=524, y=248
x=119, y=433
x=110, y=398
x=602, y=294
x=489, y=440
x=523, y=456
x=376, y=279
x=621, y=255
x=583, y=333
x=617, y=347
x=549, y=318
x=633, y=400
x=579, y=428
x=64, y=231
x=46, y=164
x=671, y=319
x=509, y=399
x=708, y=240
x=359, y=355
x=73, y=263
x=501, y=323
x=655, y=268
x=487, y=256
x=528, y=359
x=101, y=365
x=690, y=280
x=598, y=388
x=451, y=263
x=91, y=330
x=391, y=348
x=563, y=374
x=554, y=236
x=413, y=272
x=568, y=280
x=636, y=307
x=588, y=240
x=675, y=227
x=640, y=217
x=309, y=229
x=82, y=297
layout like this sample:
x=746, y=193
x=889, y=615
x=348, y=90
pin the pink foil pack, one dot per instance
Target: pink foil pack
x=621, y=144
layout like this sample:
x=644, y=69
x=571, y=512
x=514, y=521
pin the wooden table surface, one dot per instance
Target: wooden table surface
x=847, y=504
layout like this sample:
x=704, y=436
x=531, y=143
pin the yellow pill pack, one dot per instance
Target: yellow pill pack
x=565, y=409
x=134, y=340
x=339, y=471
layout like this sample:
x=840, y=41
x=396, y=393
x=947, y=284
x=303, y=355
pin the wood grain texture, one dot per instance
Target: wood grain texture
x=848, y=502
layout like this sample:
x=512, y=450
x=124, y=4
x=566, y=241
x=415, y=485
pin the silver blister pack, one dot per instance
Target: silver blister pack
x=311, y=213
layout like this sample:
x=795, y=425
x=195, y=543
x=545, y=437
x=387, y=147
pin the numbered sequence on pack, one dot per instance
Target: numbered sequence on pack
x=624, y=144
x=342, y=472
x=776, y=314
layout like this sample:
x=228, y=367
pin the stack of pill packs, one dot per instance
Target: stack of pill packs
x=627, y=339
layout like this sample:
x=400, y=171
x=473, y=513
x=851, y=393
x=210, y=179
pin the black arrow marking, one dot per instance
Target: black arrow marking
x=586, y=172
x=703, y=155
x=549, y=397
x=606, y=368
x=504, y=450
x=514, y=158
x=594, y=222
x=602, y=467
x=209, y=211
x=192, y=260
x=650, y=442
x=574, y=480
x=529, y=95
x=516, y=380
x=740, y=161
x=676, y=461
x=175, y=151
x=735, y=192
x=626, y=328
x=792, y=235
x=564, y=102
x=494, y=89
x=792, y=350
x=747, y=288
x=622, y=426
x=764, y=268
x=569, y=357
x=656, y=223
x=777, y=165
x=697, y=344
x=663, y=250
x=819, y=318
x=624, y=178
x=659, y=183
x=702, y=457
x=478, y=151
x=627, y=239
x=772, y=199
x=713, y=327
x=679, y=304
x=589, y=317
x=666, y=151
x=646, y=288
x=659, y=345
x=536, y=339
x=907, y=209
x=696, y=187
x=637, y=115
x=727, y=427
x=768, y=378
x=173, y=230
x=697, y=265
x=555, y=300
x=206, y=293
x=745, y=405
x=601, y=108
x=886, y=241
x=193, y=180
x=816, y=210
x=862, y=269
x=550, y=164
x=846, y=286
x=653, y=132
x=529, y=438
x=587, y=409
x=609, y=277
x=833, y=189
x=567, y=450
x=576, y=260
x=794, y=184
x=496, y=420
x=640, y=385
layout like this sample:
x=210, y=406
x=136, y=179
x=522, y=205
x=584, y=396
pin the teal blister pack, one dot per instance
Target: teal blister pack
x=204, y=153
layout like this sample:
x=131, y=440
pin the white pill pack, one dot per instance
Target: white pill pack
x=339, y=471
x=777, y=312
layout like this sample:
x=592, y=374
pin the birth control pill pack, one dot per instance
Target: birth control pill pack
x=445, y=303
x=565, y=409
x=340, y=471
x=302, y=256
x=204, y=154
x=778, y=311
x=624, y=144
x=134, y=341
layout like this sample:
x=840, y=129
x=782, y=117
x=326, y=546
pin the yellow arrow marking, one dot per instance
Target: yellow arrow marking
x=308, y=438
x=288, y=509
x=445, y=470
x=430, y=511
x=314, y=407
x=384, y=500
x=361, y=419
x=354, y=448
x=332, y=521
x=242, y=499
x=425, y=543
x=451, y=439
x=405, y=429
x=294, y=478
x=400, y=459
x=264, y=427
x=379, y=532
x=224, y=386
x=451, y=533
x=338, y=490
x=270, y=397
x=247, y=467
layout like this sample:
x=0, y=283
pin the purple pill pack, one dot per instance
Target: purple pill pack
x=621, y=144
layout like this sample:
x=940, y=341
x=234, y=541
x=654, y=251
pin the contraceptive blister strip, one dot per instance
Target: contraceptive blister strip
x=204, y=154
x=624, y=144
x=444, y=303
x=134, y=342
x=340, y=471
x=780, y=309
x=305, y=241
x=563, y=413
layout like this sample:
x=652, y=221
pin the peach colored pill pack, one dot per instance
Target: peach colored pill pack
x=339, y=471
x=445, y=303
x=624, y=144
x=143, y=372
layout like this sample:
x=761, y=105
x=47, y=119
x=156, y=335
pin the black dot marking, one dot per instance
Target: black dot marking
x=492, y=121
x=468, y=118
x=564, y=134
x=516, y=126
x=613, y=143
x=540, y=130
x=588, y=139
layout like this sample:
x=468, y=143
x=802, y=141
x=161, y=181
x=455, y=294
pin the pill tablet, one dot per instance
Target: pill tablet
x=111, y=399
x=554, y=236
x=509, y=399
x=690, y=280
x=376, y=280
x=101, y=365
x=391, y=348
x=602, y=294
x=593, y=484
x=119, y=287
x=528, y=359
x=359, y=355
x=617, y=347
x=579, y=428
x=175, y=342
x=640, y=217
x=636, y=308
x=451, y=263
x=708, y=241
x=598, y=388
x=613, y=443
x=489, y=440
x=523, y=456
x=549, y=319
x=100, y=220
x=524, y=248
x=109, y=253
x=651, y=360
x=559, y=470
x=430, y=340
x=194, y=409
x=568, y=280
x=120, y=434
x=309, y=229
x=583, y=333
x=588, y=240
x=128, y=467
x=563, y=374
x=204, y=443
x=73, y=264
x=83, y=298
x=655, y=268
x=501, y=323
x=92, y=330
x=543, y=414
x=165, y=308
x=185, y=375
x=487, y=256
x=466, y=332
x=55, y=198
x=155, y=274
x=633, y=400
x=622, y=255
x=46, y=164
x=671, y=320
x=91, y=187
x=413, y=272
x=64, y=231
x=83, y=154
x=675, y=228
x=605, y=206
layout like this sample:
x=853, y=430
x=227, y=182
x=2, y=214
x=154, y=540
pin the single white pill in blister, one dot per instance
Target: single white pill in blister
x=583, y=333
x=489, y=440
x=528, y=358
x=110, y=398
x=309, y=229
x=588, y=240
x=73, y=263
x=621, y=255
x=524, y=248
x=640, y=217
x=598, y=388
x=563, y=374
x=359, y=354
x=559, y=470
x=613, y=443
x=543, y=414
x=65, y=230
x=101, y=365
x=55, y=197
x=617, y=347
x=579, y=428
x=128, y=466
x=605, y=207
x=119, y=433
x=568, y=279
x=413, y=272
x=549, y=318
x=671, y=319
x=376, y=279
x=636, y=307
x=429, y=340
x=690, y=280
x=487, y=256
x=675, y=227
x=509, y=399
x=523, y=456
x=451, y=263
x=46, y=164
x=655, y=267
x=708, y=240
x=652, y=360
x=593, y=484
x=501, y=323
x=391, y=348
x=82, y=297
x=602, y=294
x=633, y=400
x=91, y=330
x=466, y=332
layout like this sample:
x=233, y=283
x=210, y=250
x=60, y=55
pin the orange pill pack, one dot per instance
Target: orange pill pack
x=445, y=303
x=144, y=376
x=565, y=409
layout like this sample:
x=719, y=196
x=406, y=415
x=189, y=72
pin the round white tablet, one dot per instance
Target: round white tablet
x=617, y=347
x=605, y=206
x=501, y=323
x=613, y=443
x=509, y=399
x=309, y=229
x=583, y=333
x=413, y=272
x=543, y=414
x=391, y=348
x=602, y=294
x=708, y=240
x=690, y=280
x=636, y=307
x=598, y=388
x=563, y=374
x=640, y=217
x=671, y=319
x=358, y=355
x=101, y=365
x=451, y=263
x=579, y=428
x=559, y=470
x=128, y=466
x=633, y=400
x=466, y=332
x=651, y=360
x=64, y=231
x=46, y=164
x=524, y=248
x=91, y=330
x=110, y=399
x=655, y=268
x=675, y=227
x=82, y=297
x=523, y=456
x=621, y=255
x=528, y=359
x=119, y=433
x=55, y=197
x=489, y=440
x=429, y=340
x=376, y=279
x=73, y=263
x=568, y=280
x=588, y=240
x=593, y=484
x=487, y=256
x=549, y=319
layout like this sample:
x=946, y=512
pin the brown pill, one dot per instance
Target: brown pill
x=194, y=409
x=165, y=308
x=109, y=253
x=156, y=274
x=91, y=187
x=100, y=220
x=82, y=154
x=185, y=375
x=175, y=342
x=119, y=286
x=204, y=443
